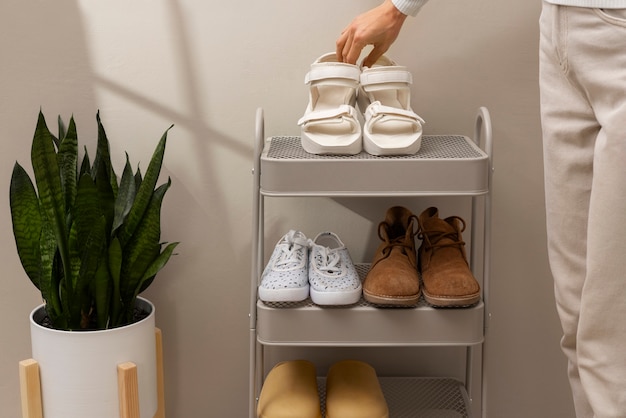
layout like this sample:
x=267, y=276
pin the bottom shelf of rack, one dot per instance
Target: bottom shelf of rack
x=412, y=397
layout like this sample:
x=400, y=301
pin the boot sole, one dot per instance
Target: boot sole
x=391, y=300
x=452, y=302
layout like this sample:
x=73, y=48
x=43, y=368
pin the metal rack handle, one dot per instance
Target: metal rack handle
x=484, y=130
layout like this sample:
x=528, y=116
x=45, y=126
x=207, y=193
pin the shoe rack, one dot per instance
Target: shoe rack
x=446, y=165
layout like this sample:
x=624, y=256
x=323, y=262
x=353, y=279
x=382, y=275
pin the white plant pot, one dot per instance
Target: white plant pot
x=78, y=369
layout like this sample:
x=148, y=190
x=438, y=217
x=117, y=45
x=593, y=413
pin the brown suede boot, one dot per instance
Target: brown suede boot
x=446, y=276
x=393, y=278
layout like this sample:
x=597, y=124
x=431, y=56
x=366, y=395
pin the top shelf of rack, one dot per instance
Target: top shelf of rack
x=444, y=165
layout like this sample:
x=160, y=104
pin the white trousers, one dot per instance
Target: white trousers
x=583, y=110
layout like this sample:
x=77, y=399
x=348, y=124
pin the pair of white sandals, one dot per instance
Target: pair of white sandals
x=330, y=124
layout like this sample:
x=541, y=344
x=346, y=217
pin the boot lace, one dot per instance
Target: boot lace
x=434, y=238
x=398, y=241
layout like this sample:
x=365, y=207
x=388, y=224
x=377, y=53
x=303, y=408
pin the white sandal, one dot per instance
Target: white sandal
x=330, y=124
x=391, y=126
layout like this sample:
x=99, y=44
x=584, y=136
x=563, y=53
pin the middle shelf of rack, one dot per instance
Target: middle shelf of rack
x=363, y=324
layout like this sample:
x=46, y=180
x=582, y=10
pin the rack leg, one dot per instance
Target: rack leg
x=160, y=376
x=30, y=389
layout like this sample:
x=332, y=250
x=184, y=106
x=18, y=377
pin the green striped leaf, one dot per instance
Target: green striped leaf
x=155, y=267
x=144, y=246
x=48, y=180
x=144, y=192
x=68, y=159
x=26, y=222
x=125, y=196
x=103, y=156
x=115, y=268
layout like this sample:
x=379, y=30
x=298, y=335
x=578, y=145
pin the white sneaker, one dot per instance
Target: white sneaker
x=333, y=279
x=284, y=278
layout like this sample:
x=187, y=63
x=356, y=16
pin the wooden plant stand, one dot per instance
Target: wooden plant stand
x=30, y=386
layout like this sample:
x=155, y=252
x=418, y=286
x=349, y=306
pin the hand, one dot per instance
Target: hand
x=379, y=27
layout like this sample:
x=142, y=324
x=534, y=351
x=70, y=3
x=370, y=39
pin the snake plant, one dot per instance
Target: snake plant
x=89, y=243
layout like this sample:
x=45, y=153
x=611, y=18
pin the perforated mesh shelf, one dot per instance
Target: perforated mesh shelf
x=306, y=324
x=419, y=397
x=445, y=164
x=433, y=147
x=362, y=270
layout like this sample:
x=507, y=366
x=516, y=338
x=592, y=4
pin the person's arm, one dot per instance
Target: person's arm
x=379, y=27
x=409, y=7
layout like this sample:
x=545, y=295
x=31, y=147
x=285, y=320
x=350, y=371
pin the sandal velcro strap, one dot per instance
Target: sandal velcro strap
x=325, y=71
x=385, y=75
x=378, y=109
x=319, y=115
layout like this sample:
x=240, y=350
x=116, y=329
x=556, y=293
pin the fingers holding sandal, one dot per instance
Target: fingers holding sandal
x=374, y=55
x=349, y=46
x=379, y=27
x=362, y=31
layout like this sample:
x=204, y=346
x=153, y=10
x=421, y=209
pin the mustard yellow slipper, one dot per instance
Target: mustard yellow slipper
x=353, y=391
x=290, y=391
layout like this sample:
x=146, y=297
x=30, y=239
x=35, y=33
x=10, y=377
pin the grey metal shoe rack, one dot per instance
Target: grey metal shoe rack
x=446, y=165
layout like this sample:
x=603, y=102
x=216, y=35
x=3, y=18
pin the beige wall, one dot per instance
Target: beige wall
x=206, y=66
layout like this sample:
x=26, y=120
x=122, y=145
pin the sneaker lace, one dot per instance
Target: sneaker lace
x=291, y=250
x=329, y=260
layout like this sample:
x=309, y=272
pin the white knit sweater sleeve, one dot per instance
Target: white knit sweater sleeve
x=605, y=4
x=409, y=7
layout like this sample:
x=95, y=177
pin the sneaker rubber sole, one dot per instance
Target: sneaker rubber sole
x=295, y=294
